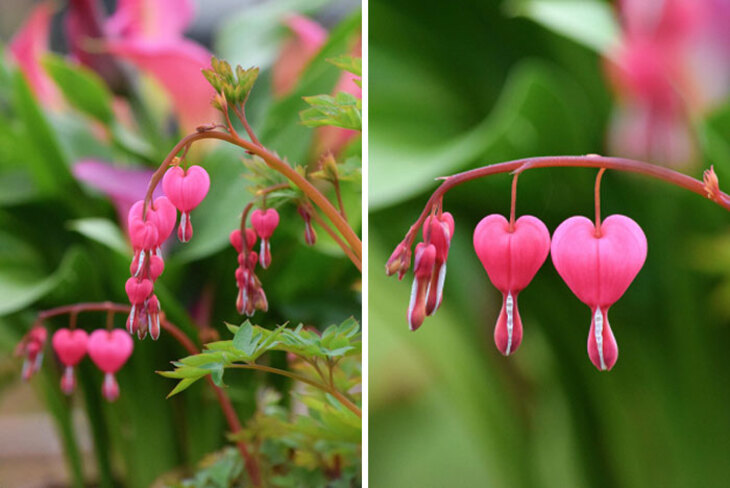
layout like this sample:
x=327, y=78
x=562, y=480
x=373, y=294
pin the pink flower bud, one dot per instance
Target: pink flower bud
x=438, y=230
x=598, y=265
x=310, y=236
x=511, y=258
x=425, y=259
x=138, y=290
x=162, y=216
x=235, y=238
x=144, y=235
x=399, y=262
x=157, y=266
x=153, y=317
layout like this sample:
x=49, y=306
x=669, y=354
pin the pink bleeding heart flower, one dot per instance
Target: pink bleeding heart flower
x=237, y=242
x=110, y=350
x=438, y=230
x=70, y=347
x=598, y=266
x=161, y=213
x=148, y=234
x=264, y=222
x=423, y=268
x=186, y=189
x=399, y=261
x=511, y=257
x=138, y=290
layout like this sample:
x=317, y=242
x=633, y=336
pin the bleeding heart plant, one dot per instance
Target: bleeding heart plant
x=597, y=260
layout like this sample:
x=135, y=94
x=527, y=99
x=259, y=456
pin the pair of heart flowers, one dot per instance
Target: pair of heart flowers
x=597, y=260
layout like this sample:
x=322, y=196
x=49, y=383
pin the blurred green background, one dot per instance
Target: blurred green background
x=453, y=87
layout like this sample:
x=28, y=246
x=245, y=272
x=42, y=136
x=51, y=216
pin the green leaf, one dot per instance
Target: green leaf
x=47, y=161
x=348, y=63
x=245, y=339
x=22, y=284
x=591, y=23
x=103, y=231
x=253, y=36
x=216, y=375
x=181, y=386
x=342, y=110
x=83, y=88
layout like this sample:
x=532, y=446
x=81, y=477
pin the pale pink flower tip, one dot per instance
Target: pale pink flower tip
x=599, y=269
x=511, y=258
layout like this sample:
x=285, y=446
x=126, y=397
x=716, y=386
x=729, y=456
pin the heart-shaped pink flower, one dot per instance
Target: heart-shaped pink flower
x=186, y=189
x=138, y=290
x=511, y=258
x=163, y=216
x=110, y=349
x=598, y=268
x=70, y=345
x=264, y=222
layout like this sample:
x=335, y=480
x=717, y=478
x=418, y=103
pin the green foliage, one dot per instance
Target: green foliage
x=251, y=341
x=348, y=63
x=343, y=110
x=235, y=87
x=83, y=88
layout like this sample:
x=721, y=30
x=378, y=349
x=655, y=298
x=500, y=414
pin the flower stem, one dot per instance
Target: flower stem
x=597, y=192
x=513, y=203
x=589, y=161
x=273, y=162
x=348, y=251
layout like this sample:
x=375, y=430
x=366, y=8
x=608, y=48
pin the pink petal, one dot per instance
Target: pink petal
x=123, y=185
x=177, y=66
x=297, y=52
x=28, y=45
x=158, y=19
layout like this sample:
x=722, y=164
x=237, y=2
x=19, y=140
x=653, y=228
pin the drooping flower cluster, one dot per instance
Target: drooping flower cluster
x=310, y=236
x=598, y=262
x=30, y=348
x=109, y=350
x=184, y=190
x=429, y=268
x=251, y=295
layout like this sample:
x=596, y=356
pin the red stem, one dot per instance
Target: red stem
x=590, y=161
x=597, y=196
x=273, y=162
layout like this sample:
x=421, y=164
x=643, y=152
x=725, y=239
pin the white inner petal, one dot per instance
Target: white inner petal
x=509, y=307
x=598, y=333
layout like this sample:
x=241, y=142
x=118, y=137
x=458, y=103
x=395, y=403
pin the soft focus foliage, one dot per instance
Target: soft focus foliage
x=69, y=170
x=490, y=87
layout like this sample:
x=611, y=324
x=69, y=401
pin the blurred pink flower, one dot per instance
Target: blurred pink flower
x=28, y=46
x=124, y=186
x=672, y=64
x=297, y=52
x=149, y=34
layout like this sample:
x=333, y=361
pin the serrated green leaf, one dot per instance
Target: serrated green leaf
x=342, y=110
x=183, y=385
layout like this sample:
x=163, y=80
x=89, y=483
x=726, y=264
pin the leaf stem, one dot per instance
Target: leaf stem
x=320, y=386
